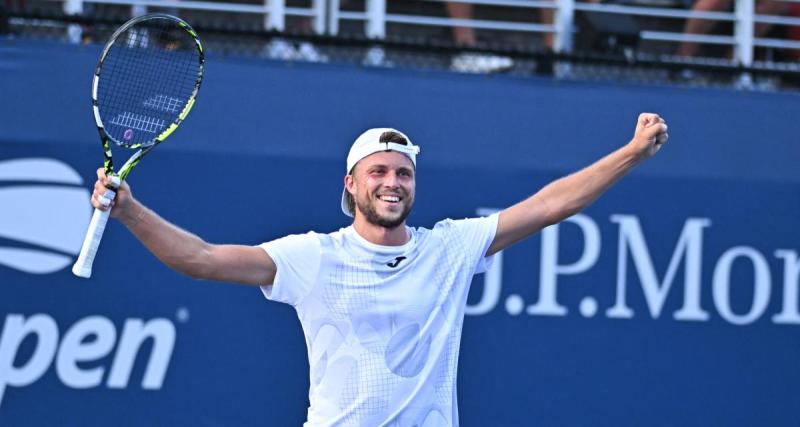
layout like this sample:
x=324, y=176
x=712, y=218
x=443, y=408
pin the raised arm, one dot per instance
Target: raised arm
x=569, y=195
x=181, y=250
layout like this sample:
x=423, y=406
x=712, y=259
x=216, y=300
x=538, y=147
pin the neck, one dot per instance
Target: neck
x=378, y=235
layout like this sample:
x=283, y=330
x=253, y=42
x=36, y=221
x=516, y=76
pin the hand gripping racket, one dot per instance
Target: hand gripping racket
x=144, y=86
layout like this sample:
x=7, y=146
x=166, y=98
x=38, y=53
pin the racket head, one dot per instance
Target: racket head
x=146, y=81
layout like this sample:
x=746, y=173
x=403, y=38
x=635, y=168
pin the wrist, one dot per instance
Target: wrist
x=133, y=214
x=637, y=150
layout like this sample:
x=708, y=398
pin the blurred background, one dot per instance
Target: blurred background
x=745, y=44
x=674, y=300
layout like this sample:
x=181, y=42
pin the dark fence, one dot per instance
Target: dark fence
x=605, y=47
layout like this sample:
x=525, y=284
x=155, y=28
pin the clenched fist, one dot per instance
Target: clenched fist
x=650, y=135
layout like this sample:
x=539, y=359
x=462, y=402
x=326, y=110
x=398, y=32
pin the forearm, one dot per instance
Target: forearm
x=175, y=247
x=573, y=193
x=569, y=195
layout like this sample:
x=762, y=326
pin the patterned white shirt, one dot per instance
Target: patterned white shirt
x=382, y=323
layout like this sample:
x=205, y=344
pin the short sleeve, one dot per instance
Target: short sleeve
x=297, y=258
x=475, y=236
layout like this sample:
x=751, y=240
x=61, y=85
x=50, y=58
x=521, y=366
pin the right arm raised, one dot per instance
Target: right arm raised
x=183, y=251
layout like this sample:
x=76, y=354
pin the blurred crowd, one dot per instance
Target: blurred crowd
x=480, y=50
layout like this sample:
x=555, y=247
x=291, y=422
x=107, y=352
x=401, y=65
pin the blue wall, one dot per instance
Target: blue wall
x=720, y=200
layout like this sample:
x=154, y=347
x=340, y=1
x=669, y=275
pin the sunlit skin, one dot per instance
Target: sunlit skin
x=383, y=185
x=381, y=174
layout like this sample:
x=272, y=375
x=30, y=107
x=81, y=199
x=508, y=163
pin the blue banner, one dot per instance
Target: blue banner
x=671, y=301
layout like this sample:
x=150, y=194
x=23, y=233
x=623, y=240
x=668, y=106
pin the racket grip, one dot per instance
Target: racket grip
x=83, y=266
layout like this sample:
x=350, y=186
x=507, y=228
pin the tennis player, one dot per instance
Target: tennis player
x=381, y=304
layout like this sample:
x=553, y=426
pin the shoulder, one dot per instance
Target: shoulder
x=449, y=224
x=465, y=231
x=336, y=238
x=315, y=237
x=293, y=243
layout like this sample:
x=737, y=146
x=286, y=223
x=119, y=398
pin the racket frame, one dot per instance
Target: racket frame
x=94, y=234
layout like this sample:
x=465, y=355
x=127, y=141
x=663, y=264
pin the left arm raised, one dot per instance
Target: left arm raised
x=569, y=195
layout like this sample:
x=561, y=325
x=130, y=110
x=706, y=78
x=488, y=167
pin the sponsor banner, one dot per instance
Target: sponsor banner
x=639, y=299
x=672, y=301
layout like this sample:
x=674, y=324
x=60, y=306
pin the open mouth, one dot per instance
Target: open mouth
x=390, y=198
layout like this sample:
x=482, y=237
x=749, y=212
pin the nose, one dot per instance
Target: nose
x=391, y=180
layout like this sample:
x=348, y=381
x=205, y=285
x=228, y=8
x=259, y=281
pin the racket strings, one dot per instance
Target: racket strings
x=147, y=77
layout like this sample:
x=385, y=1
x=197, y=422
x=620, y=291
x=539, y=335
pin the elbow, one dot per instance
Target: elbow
x=556, y=202
x=196, y=265
x=560, y=212
x=200, y=265
x=194, y=273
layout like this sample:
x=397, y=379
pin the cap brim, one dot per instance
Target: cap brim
x=345, y=209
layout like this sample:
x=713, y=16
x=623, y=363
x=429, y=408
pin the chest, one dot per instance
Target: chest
x=407, y=287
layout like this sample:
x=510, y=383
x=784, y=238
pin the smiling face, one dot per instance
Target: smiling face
x=383, y=185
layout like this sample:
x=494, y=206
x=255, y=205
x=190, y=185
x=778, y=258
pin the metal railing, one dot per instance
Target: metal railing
x=327, y=15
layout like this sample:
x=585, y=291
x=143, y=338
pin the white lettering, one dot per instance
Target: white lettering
x=14, y=332
x=549, y=268
x=77, y=347
x=791, y=273
x=689, y=247
x=721, y=285
x=162, y=331
x=632, y=246
x=492, y=280
x=89, y=339
x=492, y=285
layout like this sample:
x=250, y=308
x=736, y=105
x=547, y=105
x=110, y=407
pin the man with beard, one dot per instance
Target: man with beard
x=381, y=304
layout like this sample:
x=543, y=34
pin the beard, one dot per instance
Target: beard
x=367, y=207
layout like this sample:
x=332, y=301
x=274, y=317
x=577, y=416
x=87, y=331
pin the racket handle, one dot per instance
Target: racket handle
x=83, y=266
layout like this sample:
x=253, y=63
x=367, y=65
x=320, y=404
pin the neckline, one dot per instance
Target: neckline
x=412, y=239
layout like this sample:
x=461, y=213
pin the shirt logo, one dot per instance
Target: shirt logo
x=396, y=262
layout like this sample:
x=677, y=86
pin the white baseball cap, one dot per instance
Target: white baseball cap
x=368, y=143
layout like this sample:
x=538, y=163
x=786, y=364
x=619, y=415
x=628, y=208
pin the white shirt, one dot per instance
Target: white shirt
x=382, y=323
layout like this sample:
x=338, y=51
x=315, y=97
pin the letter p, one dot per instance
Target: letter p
x=16, y=329
x=550, y=269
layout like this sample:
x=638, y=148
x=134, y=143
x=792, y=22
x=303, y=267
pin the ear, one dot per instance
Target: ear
x=350, y=184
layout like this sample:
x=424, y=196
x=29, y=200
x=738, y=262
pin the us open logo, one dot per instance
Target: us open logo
x=44, y=216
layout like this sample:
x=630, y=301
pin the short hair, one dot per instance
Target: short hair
x=394, y=137
x=391, y=136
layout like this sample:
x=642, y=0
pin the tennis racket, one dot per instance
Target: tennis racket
x=145, y=83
